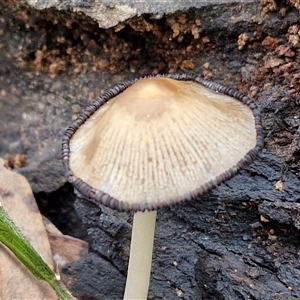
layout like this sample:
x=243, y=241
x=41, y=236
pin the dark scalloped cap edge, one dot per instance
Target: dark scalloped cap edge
x=100, y=197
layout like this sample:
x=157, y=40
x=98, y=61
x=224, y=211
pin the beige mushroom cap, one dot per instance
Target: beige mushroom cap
x=160, y=141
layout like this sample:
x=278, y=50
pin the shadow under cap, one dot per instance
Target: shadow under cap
x=160, y=140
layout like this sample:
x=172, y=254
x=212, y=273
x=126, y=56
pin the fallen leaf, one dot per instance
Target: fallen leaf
x=16, y=282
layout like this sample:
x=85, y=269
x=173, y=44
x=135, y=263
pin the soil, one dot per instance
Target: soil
x=240, y=241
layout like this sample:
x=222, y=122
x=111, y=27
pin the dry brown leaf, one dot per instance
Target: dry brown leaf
x=16, y=282
x=65, y=249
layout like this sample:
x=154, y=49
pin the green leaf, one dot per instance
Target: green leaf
x=12, y=238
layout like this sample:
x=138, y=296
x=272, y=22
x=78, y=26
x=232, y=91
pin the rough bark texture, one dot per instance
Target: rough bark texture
x=241, y=241
x=227, y=245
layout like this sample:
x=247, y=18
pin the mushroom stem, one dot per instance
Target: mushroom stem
x=139, y=267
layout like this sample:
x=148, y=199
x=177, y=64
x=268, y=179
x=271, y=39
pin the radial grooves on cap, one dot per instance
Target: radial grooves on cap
x=144, y=166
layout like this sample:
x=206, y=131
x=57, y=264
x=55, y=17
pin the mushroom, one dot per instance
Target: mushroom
x=154, y=142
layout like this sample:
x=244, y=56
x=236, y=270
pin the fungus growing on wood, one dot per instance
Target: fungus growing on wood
x=154, y=142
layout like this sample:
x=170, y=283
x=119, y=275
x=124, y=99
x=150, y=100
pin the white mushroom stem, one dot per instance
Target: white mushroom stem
x=140, y=258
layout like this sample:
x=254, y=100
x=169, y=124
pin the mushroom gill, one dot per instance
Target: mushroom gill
x=161, y=141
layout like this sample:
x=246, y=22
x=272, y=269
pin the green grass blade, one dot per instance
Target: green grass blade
x=13, y=239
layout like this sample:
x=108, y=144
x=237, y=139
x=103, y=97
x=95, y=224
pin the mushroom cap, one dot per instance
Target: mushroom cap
x=160, y=141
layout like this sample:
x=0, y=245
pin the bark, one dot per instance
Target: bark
x=217, y=247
